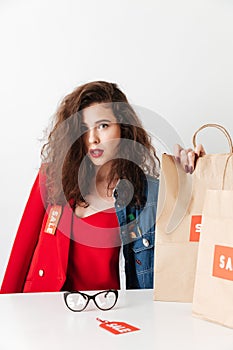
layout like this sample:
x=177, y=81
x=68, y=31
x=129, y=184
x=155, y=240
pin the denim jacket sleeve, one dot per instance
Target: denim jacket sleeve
x=137, y=229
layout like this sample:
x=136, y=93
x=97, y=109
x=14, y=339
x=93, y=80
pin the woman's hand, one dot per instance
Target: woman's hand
x=187, y=157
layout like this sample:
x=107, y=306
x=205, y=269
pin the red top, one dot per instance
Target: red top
x=94, y=253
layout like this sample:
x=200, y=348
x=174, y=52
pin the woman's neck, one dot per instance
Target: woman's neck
x=100, y=195
x=102, y=172
x=101, y=183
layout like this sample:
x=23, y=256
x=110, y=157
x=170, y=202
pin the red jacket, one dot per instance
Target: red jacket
x=38, y=260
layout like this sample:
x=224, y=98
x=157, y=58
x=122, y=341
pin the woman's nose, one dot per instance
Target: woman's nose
x=93, y=136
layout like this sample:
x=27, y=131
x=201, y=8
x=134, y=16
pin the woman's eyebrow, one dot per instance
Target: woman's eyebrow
x=103, y=121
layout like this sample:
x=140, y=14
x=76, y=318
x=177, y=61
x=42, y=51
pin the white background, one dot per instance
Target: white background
x=171, y=57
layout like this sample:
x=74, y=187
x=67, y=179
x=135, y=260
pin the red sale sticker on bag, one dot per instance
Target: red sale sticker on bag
x=116, y=327
x=223, y=262
x=53, y=218
x=195, y=228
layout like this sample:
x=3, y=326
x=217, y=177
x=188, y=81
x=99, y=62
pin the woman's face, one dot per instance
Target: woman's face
x=103, y=134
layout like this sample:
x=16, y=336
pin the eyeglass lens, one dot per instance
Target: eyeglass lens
x=105, y=300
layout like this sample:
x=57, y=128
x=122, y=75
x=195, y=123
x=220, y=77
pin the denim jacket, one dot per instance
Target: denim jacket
x=137, y=230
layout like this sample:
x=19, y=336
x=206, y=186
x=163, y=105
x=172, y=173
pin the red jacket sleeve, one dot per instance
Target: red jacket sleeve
x=26, y=238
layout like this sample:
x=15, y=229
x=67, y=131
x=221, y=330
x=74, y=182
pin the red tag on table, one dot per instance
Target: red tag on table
x=116, y=327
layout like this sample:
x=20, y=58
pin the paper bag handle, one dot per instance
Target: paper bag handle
x=224, y=172
x=220, y=127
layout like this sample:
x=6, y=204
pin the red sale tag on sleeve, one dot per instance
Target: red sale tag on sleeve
x=53, y=219
x=116, y=327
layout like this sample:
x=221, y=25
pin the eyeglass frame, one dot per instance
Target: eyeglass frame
x=89, y=297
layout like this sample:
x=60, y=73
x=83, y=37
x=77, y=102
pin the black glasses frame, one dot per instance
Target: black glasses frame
x=91, y=297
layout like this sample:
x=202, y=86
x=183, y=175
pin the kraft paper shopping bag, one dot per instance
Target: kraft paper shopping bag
x=180, y=203
x=213, y=291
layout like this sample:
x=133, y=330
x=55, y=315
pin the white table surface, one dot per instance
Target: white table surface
x=42, y=321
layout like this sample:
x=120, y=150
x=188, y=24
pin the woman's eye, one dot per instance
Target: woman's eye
x=102, y=126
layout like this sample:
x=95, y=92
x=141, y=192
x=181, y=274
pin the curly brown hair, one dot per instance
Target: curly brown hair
x=69, y=172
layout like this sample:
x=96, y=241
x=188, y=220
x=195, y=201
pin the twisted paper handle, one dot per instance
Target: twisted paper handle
x=224, y=172
x=220, y=127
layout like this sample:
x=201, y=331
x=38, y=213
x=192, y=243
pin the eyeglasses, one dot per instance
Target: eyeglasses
x=78, y=301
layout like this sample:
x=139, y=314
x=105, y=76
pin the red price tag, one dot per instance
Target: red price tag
x=116, y=327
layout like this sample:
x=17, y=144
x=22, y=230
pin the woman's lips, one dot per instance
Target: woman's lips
x=96, y=153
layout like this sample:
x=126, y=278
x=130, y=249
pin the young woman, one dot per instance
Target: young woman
x=96, y=191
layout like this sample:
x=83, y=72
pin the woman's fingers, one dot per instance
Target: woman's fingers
x=199, y=150
x=187, y=157
x=177, y=149
x=192, y=161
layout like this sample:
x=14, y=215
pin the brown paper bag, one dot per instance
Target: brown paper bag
x=180, y=202
x=213, y=291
